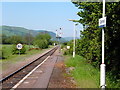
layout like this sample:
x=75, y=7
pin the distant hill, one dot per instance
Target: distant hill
x=12, y=30
x=70, y=38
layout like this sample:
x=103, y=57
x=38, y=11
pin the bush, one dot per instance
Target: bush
x=4, y=54
x=41, y=44
x=68, y=51
x=16, y=51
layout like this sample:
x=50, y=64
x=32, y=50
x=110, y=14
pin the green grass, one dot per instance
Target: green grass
x=84, y=74
x=8, y=52
x=13, y=59
x=7, y=49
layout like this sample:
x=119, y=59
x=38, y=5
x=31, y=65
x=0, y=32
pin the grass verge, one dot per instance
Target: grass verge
x=16, y=58
x=85, y=75
x=8, y=52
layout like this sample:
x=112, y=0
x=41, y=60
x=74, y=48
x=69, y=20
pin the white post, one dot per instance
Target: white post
x=19, y=51
x=102, y=46
x=75, y=37
x=102, y=66
x=74, y=42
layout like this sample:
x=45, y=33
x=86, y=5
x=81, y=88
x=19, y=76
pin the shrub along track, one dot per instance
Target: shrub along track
x=12, y=79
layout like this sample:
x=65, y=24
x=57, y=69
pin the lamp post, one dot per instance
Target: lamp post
x=102, y=24
x=73, y=37
x=102, y=66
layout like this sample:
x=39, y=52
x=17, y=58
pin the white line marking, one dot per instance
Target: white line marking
x=29, y=74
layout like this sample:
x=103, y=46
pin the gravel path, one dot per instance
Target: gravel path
x=58, y=78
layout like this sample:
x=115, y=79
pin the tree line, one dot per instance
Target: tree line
x=40, y=40
x=14, y=39
x=90, y=43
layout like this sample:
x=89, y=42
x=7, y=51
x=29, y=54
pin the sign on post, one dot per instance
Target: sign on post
x=68, y=47
x=102, y=22
x=19, y=46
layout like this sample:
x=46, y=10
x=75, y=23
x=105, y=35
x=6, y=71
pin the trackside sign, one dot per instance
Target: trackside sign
x=102, y=22
x=19, y=46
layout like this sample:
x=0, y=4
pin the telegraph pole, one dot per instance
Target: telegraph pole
x=58, y=36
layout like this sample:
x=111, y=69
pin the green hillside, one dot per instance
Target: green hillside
x=9, y=31
x=12, y=30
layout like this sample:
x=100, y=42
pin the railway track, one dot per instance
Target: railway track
x=11, y=80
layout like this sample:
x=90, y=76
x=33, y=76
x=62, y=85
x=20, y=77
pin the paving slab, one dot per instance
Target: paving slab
x=41, y=76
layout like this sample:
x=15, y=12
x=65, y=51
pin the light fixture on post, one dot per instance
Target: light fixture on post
x=75, y=24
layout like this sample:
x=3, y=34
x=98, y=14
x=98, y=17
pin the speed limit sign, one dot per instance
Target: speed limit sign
x=19, y=46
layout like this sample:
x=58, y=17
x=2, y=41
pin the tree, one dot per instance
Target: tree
x=90, y=42
x=42, y=40
x=28, y=39
x=4, y=39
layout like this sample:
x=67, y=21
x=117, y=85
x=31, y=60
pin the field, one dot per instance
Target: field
x=7, y=49
x=10, y=59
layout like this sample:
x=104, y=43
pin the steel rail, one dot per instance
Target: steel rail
x=12, y=74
